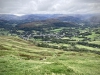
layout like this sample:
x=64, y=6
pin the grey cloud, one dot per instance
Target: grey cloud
x=88, y=1
x=48, y=6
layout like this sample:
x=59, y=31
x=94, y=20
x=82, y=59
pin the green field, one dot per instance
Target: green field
x=87, y=47
x=20, y=57
x=95, y=42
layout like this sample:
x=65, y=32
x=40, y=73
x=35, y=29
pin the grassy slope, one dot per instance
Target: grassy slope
x=19, y=57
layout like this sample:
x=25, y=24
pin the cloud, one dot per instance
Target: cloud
x=88, y=1
x=48, y=6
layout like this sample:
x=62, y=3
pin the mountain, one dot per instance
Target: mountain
x=8, y=17
x=35, y=17
x=46, y=24
x=29, y=17
x=70, y=19
x=95, y=19
x=48, y=19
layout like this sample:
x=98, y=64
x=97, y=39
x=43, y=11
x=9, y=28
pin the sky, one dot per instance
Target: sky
x=20, y=7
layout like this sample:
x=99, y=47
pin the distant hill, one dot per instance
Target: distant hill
x=46, y=24
x=36, y=17
x=8, y=17
x=34, y=20
x=70, y=19
x=29, y=17
x=95, y=19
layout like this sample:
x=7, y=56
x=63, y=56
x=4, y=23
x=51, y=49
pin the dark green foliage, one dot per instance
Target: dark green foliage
x=88, y=44
x=64, y=24
x=85, y=33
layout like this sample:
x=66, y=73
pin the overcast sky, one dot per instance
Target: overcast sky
x=49, y=6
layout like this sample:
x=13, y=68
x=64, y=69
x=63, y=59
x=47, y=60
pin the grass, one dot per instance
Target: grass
x=95, y=42
x=87, y=47
x=57, y=30
x=59, y=45
x=93, y=36
x=3, y=31
x=20, y=57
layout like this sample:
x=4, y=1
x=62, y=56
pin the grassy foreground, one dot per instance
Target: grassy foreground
x=20, y=57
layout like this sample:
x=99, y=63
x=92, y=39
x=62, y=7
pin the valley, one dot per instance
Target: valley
x=49, y=45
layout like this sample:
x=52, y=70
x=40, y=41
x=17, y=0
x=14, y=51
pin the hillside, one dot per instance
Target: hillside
x=46, y=24
x=20, y=57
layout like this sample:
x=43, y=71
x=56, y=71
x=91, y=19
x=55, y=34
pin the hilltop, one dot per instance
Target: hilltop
x=20, y=57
